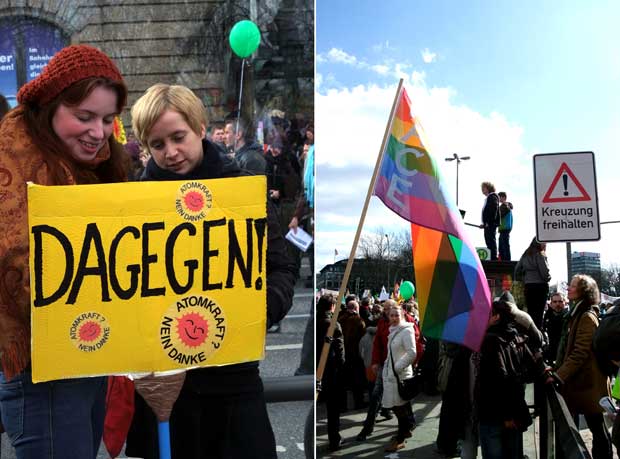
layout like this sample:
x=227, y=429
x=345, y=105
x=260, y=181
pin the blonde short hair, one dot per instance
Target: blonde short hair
x=161, y=97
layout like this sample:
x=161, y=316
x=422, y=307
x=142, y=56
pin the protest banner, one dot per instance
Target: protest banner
x=148, y=276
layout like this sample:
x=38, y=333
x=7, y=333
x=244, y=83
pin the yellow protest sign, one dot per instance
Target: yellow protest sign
x=146, y=276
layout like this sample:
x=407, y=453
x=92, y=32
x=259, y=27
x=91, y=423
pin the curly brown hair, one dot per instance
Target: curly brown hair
x=587, y=289
x=489, y=186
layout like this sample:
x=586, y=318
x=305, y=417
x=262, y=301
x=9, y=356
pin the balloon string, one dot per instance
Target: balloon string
x=239, y=107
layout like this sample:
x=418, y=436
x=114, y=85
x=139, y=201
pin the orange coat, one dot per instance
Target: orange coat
x=21, y=161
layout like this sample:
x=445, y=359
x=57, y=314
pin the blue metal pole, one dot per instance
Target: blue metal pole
x=163, y=429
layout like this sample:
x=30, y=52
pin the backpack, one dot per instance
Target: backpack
x=505, y=222
x=606, y=342
x=520, y=361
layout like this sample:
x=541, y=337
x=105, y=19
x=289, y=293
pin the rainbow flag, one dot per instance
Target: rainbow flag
x=453, y=293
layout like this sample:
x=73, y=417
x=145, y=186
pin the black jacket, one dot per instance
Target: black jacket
x=239, y=378
x=336, y=355
x=251, y=159
x=283, y=174
x=490, y=212
x=553, y=322
x=501, y=397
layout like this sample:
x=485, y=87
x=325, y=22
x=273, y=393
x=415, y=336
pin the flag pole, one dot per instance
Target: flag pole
x=347, y=272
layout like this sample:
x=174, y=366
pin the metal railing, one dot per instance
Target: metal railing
x=289, y=388
x=294, y=389
x=558, y=429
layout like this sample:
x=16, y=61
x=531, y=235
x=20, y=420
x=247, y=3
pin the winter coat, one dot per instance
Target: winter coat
x=244, y=377
x=505, y=217
x=335, y=357
x=283, y=174
x=533, y=269
x=490, y=211
x=353, y=329
x=401, y=348
x=583, y=382
x=365, y=346
x=379, y=344
x=553, y=322
x=501, y=397
x=251, y=159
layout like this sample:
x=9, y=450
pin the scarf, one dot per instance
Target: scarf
x=22, y=161
x=309, y=177
x=213, y=165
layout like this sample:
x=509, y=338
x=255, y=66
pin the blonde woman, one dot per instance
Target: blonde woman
x=221, y=411
x=401, y=353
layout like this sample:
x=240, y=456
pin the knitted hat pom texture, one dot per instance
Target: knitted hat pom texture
x=67, y=67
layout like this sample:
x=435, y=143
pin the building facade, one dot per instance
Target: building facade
x=586, y=263
x=174, y=42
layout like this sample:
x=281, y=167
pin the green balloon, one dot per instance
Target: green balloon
x=407, y=290
x=244, y=38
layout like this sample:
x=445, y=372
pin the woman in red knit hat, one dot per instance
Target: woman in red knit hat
x=59, y=134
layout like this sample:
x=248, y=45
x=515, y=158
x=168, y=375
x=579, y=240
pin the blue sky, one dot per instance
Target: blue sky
x=499, y=81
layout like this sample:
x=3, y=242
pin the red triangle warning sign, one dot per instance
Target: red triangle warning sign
x=559, y=191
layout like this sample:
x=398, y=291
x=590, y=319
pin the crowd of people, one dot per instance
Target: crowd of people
x=61, y=133
x=483, y=397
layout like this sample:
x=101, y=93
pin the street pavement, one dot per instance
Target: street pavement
x=282, y=357
x=421, y=445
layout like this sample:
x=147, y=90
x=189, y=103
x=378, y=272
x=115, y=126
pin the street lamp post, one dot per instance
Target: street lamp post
x=458, y=161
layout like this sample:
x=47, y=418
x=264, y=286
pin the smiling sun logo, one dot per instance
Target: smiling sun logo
x=192, y=329
x=89, y=331
x=193, y=201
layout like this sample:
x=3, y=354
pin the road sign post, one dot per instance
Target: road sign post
x=566, y=197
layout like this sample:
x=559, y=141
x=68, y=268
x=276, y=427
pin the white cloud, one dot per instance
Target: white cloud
x=417, y=78
x=352, y=122
x=381, y=47
x=318, y=79
x=428, y=56
x=400, y=70
x=338, y=55
x=386, y=68
x=380, y=69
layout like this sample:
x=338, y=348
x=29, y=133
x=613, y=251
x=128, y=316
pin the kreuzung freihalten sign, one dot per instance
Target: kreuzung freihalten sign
x=566, y=197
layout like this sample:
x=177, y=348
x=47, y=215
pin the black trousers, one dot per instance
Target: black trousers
x=333, y=401
x=535, y=299
x=601, y=440
x=404, y=414
x=489, y=239
x=504, y=245
x=206, y=427
x=615, y=434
